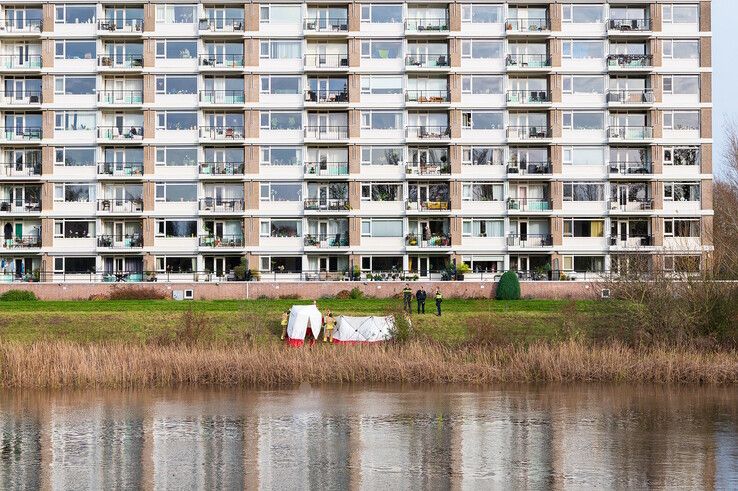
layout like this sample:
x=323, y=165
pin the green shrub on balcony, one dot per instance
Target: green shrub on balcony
x=509, y=287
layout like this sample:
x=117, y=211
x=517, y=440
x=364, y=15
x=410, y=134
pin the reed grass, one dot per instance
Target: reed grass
x=65, y=364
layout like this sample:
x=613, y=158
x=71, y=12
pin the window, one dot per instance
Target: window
x=682, y=264
x=584, y=264
x=176, y=156
x=681, y=191
x=281, y=155
x=682, y=120
x=682, y=50
x=583, y=84
x=374, y=227
x=280, y=228
x=281, y=120
x=682, y=84
x=578, y=191
x=176, y=228
x=578, y=120
x=176, y=49
x=74, y=229
x=171, y=264
x=481, y=84
x=281, y=191
x=584, y=156
x=74, y=120
x=583, y=14
x=279, y=85
x=74, y=156
x=482, y=155
x=74, y=265
x=583, y=228
x=175, y=14
x=75, y=50
x=478, y=49
x=281, y=264
x=280, y=14
x=74, y=85
x=381, y=49
x=381, y=120
x=381, y=84
x=381, y=155
x=481, y=192
x=481, y=14
x=381, y=13
x=482, y=120
x=381, y=192
x=176, y=192
x=176, y=120
x=176, y=84
x=281, y=50
x=681, y=14
x=74, y=193
x=583, y=49
x=675, y=227
x=681, y=155
x=74, y=14
x=482, y=228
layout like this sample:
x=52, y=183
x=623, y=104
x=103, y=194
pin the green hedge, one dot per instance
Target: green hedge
x=18, y=296
x=509, y=287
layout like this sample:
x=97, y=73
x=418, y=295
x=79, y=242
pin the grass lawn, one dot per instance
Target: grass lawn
x=136, y=321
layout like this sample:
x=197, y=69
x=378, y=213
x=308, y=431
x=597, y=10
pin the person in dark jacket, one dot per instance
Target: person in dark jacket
x=407, y=298
x=420, y=296
x=439, y=299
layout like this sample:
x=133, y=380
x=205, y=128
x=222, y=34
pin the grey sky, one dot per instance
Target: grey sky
x=725, y=73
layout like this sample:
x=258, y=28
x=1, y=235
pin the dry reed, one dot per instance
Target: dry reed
x=55, y=364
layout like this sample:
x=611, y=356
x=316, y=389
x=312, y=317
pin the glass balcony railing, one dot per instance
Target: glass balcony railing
x=529, y=240
x=23, y=134
x=629, y=61
x=221, y=241
x=117, y=241
x=528, y=132
x=438, y=204
x=432, y=240
x=326, y=24
x=222, y=168
x=19, y=206
x=528, y=61
x=221, y=132
x=326, y=204
x=22, y=25
x=223, y=24
x=323, y=168
x=124, y=132
x=427, y=24
x=527, y=24
x=221, y=60
x=329, y=132
x=331, y=60
x=528, y=97
x=428, y=169
x=629, y=25
x=222, y=96
x=129, y=24
x=428, y=132
x=630, y=132
x=120, y=97
x=120, y=61
x=340, y=239
x=20, y=169
x=120, y=168
x=223, y=205
x=423, y=60
x=529, y=167
x=22, y=242
x=120, y=205
x=630, y=168
x=21, y=97
x=18, y=62
x=529, y=204
x=428, y=96
x=637, y=96
x=628, y=242
x=326, y=96
x=645, y=204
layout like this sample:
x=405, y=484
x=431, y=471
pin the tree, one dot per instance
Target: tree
x=509, y=287
x=725, y=203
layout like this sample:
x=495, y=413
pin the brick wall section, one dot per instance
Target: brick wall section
x=706, y=158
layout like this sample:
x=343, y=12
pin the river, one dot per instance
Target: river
x=371, y=438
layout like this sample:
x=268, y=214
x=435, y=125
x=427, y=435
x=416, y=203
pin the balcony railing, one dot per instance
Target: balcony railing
x=529, y=168
x=629, y=61
x=326, y=168
x=640, y=96
x=21, y=26
x=427, y=60
x=629, y=25
x=528, y=97
x=22, y=97
x=528, y=132
x=16, y=206
x=429, y=169
x=222, y=61
x=529, y=204
x=124, y=132
x=438, y=24
x=529, y=240
x=326, y=96
x=632, y=205
x=227, y=24
x=128, y=241
x=23, y=134
x=428, y=205
x=223, y=205
x=428, y=132
x=333, y=60
x=326, y=204
x=528, y=61
x=221, y=132
x=120, y=168
x=434, y=240
x=120, y=61
x=130, y=24
x=222, y=168
x=631, y=241
x=222, y=96
x=428, y=96
x=326, y=240
x=120, y=205
x=16, y=62
x=326, y=24
x=120, y=96
x=630, y=132
x=527, y=25
x=221, y=241
x=22, y=242
x=20, y=169
x=630, y=168
x=326, y=132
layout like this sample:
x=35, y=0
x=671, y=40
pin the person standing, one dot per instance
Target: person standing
x=439, y=299
x=407, y=298
x=420, y=296
x=329, y=322
x=285, y=320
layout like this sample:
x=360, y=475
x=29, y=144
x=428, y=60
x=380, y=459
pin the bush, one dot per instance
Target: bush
x=509, y=287
x=18, y=296
x=136, y=293
x=356, y=294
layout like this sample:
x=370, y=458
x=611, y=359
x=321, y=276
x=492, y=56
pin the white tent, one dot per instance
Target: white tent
x=363, y=329
x=302, y=318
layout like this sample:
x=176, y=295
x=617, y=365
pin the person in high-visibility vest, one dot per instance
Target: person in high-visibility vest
x=330, y=323
x=285, y=320
x=439, y=299
x=407, y=298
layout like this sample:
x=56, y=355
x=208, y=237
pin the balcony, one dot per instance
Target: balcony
x=326, y=169
x=215, y=24
x=20, y=169
x=323, y=241
x=528, y=25
x=120, y=205
x=221, y=205
x=221, y=168
x=433, y=241
x=121, y=169
x=623, y=242
x=428, y=96
x=333, y=60
x=120, y=61
x=629, y=25
x=641, y=96
x=528, y=132
x=123, y=97
x=528, y=61
x=428, y=132
x=221, y=241
x=630, y=168
x=22, y=242
x=131, y=241
x=16, y=62
x=428, y=169
x=22, y=134
x=121, y=26
x=525, y=97
x=428, y=205
x=221, y=61
x=17, y=206
x=529, y=168
x=529, y=204
x=630, y=61
x=320, y=132
x=326, y=204
x=224, y=97
x=630, y=133
x=222, y=133
x=529, y=240
x=326, y=24
x=631, y=205
x=120, y=133
x=427, y=25
x=18, y=26
x=427, y=61
x=22, y=98
x=326, y=96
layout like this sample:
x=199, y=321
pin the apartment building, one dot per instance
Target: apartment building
x=566, y=136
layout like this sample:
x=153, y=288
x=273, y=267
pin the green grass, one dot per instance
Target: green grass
x=137, y=321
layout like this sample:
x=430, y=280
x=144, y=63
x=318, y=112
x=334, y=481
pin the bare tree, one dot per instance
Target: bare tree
x=725, y=203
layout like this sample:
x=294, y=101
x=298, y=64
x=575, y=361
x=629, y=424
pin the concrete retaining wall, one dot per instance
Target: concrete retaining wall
x=309, y=290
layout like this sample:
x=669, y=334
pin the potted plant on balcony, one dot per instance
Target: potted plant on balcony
x=461, y=270
x=412, y=240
